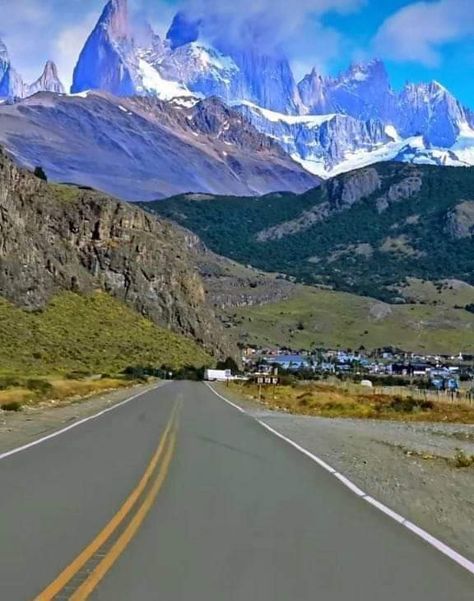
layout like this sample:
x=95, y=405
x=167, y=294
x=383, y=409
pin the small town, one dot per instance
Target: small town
x=387, y=367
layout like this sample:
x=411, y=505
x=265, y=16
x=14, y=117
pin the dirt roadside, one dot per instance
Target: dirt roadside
x=23, y=427
x=407, y=466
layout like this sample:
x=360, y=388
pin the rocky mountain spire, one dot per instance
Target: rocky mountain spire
x=11, y=83
x=107, y=59
x=114, y=19
x=48, y=81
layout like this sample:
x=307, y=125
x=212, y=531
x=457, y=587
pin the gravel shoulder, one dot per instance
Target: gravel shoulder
x=23, y=427
x=405, y=465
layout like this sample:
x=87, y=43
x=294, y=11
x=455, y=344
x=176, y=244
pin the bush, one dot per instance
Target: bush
x=41, y=387
x=404, y=405
x=9, y=382
x=39, y=173
x=463, y=460
x=78, y=375
x=288, y=380
x=12, y=406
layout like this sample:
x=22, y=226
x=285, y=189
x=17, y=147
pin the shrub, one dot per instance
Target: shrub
x=12, y=406
x=9, y=382
x=39, y=173
x=404, y=405
x=463, y=460
x=77, y=375
x=41, y=387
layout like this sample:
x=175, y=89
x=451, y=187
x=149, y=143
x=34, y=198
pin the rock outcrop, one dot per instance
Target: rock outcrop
x=460, y=221
x=55, y=238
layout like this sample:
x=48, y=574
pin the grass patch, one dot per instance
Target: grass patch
x=324, y=318
x=93, y=334
x=330, y=400
x=57, y=390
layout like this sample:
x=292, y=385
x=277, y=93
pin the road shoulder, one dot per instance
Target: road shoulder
x=403, y=465
x=32, y=423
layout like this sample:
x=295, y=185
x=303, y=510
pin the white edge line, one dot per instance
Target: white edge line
x=39, y=441
x=426, y=536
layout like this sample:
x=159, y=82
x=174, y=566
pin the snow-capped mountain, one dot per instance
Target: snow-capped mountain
x=324, y=143
x=328, y=124
x=327, y=145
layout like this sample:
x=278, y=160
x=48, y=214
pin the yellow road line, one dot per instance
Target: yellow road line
x=93, y=580
x=73, y=568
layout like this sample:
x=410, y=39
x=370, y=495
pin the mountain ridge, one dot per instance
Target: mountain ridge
x=364, y=231
x=422, y=123
x=142, y=148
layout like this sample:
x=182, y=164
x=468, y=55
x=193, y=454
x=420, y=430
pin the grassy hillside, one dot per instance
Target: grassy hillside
x=315, y=317
x=94, y=333
x=348, y=233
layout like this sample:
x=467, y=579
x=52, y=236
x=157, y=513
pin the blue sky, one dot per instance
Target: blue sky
x=419, y=40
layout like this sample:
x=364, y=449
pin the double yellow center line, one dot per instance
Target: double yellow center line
x=162, y=458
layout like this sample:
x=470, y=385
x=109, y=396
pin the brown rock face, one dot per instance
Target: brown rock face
x=55, y=238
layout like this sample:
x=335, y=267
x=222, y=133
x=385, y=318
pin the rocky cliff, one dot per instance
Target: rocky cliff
x=55, y=238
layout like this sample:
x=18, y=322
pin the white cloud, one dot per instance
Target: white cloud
x=69, y=44
x=418, y=31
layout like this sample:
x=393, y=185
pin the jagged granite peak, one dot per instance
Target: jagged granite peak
x=11, y=83
x=313, y=94
x=48, y=81
x=432, y=111
x=372, y=70
x=364, y=92
x=184, y=30
x=114, y=19
x=107, y=60
x=262, y=77
x=319, y=142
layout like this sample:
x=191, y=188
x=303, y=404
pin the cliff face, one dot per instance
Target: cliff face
x=55, y=238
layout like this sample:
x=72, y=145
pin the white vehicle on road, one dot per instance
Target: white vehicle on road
x=218, y=375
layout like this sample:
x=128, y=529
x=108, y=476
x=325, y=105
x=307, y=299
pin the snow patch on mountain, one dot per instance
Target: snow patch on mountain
x=152, y=81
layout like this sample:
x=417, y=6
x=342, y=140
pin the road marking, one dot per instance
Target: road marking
x=79, y=423
x=94, y=579
x=426, y=536
x=75, y=566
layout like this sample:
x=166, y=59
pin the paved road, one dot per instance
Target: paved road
x=176, y=496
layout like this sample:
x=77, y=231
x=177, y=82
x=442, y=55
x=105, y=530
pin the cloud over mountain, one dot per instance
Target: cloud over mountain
x=418, y=31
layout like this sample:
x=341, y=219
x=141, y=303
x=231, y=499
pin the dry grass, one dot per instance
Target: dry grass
x=328, y=400
x=58, y=391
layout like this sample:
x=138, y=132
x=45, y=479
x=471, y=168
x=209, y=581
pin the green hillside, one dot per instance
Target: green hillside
x=323, y=318
x=362, y=232
x=94, y=333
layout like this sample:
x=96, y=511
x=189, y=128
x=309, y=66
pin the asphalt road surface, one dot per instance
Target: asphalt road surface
x=176, y=496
